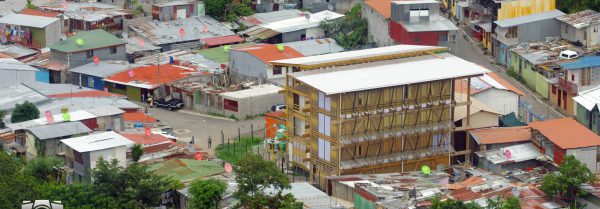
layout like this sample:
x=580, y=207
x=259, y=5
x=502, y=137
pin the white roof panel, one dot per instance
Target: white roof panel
x=27, y=20
x=300, y=23
x=95, y=142
x=410, y=70
x=253, y=91
x=381, y=51
x=588, y=99
x=105, y=111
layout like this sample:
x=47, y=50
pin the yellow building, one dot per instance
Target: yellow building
x=380, y=110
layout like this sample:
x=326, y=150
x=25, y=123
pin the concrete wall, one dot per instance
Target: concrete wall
x=254, y=105
x=502, y=101
x=480, y=120
x=80, y=58
x=112, y=122
x=586, y=155
x=53, y=32
x=246, y=65
x=588, y=36
x=378, y=26
x=293, y=36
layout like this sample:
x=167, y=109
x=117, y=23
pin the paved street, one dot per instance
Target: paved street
x=464, y=49
x=186, y=125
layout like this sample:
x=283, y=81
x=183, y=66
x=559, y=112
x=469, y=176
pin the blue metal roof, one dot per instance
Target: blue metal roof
x=583, y=62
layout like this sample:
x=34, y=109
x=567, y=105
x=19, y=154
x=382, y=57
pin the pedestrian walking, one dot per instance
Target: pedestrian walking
x=192, y=141
x=209, y=142
x=146, y=110
x=150, y=102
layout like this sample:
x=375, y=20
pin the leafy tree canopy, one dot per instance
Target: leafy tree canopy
x=44, y=169
x=254, y=176
x=349, y=31
x=572, y=174
x=24, y=112
x=15, y=185
x=572, y=6
x=207, y=193
x=136, y=152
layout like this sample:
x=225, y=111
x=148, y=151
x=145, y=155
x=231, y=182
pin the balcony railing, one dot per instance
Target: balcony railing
x=567, y=85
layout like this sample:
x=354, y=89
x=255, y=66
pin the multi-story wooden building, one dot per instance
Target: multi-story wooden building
x=379, y=110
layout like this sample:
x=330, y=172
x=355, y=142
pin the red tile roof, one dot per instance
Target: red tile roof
x=382, y=7
x=217, y=41
x=36, y=12
x=502, y=135
x=147, y=75
x=138, y=117
x=269, y=52
x=567, y=133
x=141, y=138
x=93, y=93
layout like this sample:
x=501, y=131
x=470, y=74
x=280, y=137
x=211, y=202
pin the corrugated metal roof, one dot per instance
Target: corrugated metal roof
x=253, y=91
x=104, y=68
x=10, y=96
x=269, y=17
x=498, y=135
x=169, y=32
x=133, y=45
x=264, y=31
x=581, y=19
x=269, y=52
x=59, y=130
x=11, y=64
x=93, y=39
x=406, y=71
x=97, y=141
x=582, y=62
x=529, y=18
x=27, y=20
x=358, y=54
x=588, y=99
x=105, y=111
x=148, y=76
x=315, y=47
x=222, y=40
x=518, y=153
x=16, y=51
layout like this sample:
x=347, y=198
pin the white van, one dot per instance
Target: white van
x=568, y=55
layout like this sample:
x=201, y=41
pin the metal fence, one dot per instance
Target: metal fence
x=527, y=115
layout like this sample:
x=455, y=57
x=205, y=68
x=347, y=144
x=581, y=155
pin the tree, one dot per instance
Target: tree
x=30, y=5
x=216, y=8
x=15, y=186
x=24, y=112
x=572, y=174
x=349, y=31
x=501, y=203
x=207, y=193
x=572, y=6
x=136, y=152
x=254, y=176
x=436, y=203
x=2, y=114
x=44, y=169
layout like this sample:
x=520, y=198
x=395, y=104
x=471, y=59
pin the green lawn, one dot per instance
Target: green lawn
x=234, y=154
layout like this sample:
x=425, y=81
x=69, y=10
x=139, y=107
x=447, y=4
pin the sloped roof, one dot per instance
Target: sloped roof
x=98, y=141
x=222, y=40
x=104, y=68
x=36, y=12
x=499, y=135
x=141, y=138
x=93, y=39
x=588, y=99
x=27, y=20
x=581, y=19
x=269, y=52
x=519, y=153
x=582, y=62
x=138, y=117
x=59, y=130
x=567, y=133
x=147, y=76
x=383, y=7
x=315, y=46
x=482, y=83
x=510, y=22
x=105, y=111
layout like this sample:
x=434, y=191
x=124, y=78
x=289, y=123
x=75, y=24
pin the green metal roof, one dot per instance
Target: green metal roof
x=91, y=40
x=187, y=169
x=219, y=55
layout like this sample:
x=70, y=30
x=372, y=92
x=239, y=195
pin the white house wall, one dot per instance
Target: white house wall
x=586, y=155
x=119, y=153
x=502, y=101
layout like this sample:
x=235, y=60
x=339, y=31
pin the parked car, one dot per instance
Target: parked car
x=169, y=103
x=276, y=108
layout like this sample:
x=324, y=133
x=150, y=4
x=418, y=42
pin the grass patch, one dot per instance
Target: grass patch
x=236, y=151
x=515, y=75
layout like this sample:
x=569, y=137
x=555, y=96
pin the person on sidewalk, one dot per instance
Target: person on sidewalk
x=150, y=102
x=209, y=142
x=192, y=141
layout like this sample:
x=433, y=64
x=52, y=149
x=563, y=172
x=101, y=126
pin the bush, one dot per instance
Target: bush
x=234, y=154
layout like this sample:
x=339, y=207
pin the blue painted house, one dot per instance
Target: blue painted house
x=91, y=75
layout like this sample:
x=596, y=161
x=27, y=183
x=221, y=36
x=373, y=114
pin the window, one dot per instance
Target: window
x=113, y=50
x=324, y=124
x=77, y=157
x=120, y=86
x=359, y=150
x=324, y=101
x=89, y=53
x=230, y=105
x=443, y=37
x=572, y=77
x=512, y=32
x=324, y=149
x=276, y=70
x=458, y=123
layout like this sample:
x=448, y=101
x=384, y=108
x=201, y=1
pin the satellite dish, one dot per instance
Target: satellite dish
x=307, y=16
x=330, y=7
x=63, y=37
x=124, y=35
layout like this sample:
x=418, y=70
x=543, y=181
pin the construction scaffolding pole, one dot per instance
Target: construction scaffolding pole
x=467, y=147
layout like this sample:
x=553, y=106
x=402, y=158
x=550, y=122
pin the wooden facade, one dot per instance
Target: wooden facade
x=391, y=129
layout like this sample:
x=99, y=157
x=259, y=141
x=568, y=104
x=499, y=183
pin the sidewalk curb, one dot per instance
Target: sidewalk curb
x=205, y=115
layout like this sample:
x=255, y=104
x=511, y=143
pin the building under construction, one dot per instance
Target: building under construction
x=380, y=110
